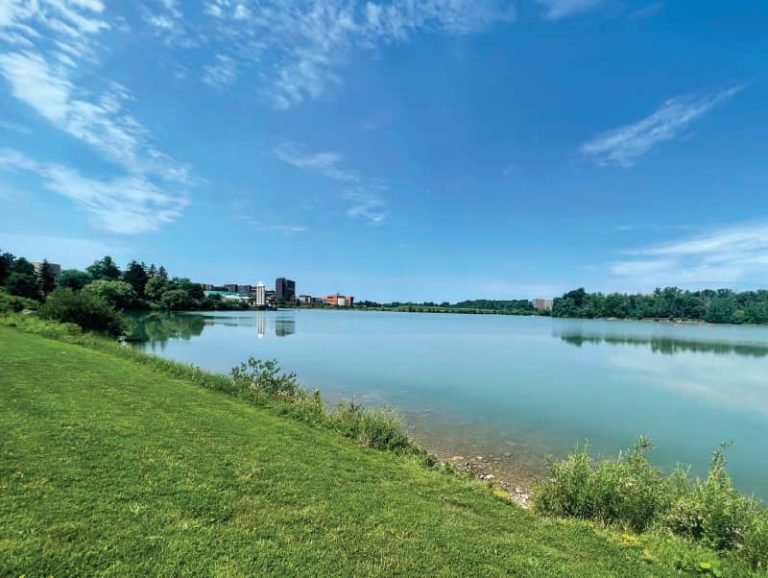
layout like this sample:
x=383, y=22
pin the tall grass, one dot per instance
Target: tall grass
x=630, y=492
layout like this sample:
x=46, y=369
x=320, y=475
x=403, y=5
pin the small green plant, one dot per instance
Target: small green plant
x=374, y=427
x=267, y=377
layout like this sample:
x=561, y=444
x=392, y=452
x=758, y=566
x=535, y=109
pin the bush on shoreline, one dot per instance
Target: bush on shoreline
x=86, y=310
x=630, y=492
x=372, y=427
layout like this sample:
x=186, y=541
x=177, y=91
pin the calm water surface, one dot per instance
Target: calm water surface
x=513, y=389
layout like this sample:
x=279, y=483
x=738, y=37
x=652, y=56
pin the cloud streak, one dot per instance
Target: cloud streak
x=729, y=255
x=125, y=205
x=307, y=43
x=363, y=194
x=47, y=49
x=559, y=9
x=625, y=145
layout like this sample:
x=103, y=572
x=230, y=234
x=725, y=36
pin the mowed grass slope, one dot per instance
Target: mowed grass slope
x=109, y=468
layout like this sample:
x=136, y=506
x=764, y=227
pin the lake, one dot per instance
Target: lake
x=513, y=389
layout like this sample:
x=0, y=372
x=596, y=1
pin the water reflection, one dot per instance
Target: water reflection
x=665, y=345
x=157, y=328
x=285, y=326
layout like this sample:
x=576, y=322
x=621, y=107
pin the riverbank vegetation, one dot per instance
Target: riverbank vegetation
x=118, y=463
x=473, y=306
x=631, y=493
x=711, y=306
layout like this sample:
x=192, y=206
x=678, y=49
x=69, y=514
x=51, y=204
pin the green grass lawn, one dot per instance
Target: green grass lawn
x=111, y=468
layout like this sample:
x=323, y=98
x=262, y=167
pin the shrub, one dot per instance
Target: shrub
x=713, y=511
x=630, y=492
x=374, y=427
x=89, y=311
x=14, y=304
x=267, y=377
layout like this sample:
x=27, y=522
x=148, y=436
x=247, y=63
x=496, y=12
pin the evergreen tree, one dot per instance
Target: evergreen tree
x=136, y=275
x=23, y=285
x=46, y=279
x=23, y=267
x=104, y=269
x=6, y=266
x=74, y=279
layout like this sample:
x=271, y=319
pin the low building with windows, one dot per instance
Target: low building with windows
x=228, y=295
x=340, y=300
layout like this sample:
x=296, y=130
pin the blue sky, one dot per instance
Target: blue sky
x=432, y=150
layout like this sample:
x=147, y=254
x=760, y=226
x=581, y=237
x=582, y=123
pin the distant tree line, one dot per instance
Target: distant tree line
x=95, y=298
x=475, y=306
x=137, y=287
x=712, y=306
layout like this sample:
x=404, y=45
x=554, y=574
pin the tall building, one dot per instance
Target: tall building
x=261, y=295
x=55, y=268
x=285, y=290
x=542, y=304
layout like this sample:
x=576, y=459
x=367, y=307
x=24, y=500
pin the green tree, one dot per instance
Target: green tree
x=175, y=300
x=155, y=288
x=104, y=268
x=136, y=275
x=22, y=266
x=118, y=294
x=6, y=266
x=74, y=279
x=195, y=290
x=46, y=278
x=23, y=285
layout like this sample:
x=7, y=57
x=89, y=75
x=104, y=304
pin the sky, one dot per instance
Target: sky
x=405, y=150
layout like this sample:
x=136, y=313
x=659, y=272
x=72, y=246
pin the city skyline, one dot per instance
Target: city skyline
x=430, y=151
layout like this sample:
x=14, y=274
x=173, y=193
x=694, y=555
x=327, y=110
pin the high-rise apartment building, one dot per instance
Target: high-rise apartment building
x=285, y=290
x=261, y=295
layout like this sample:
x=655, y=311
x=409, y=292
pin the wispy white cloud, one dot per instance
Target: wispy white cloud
x=100, y=122
x=222, y=73
x=325, y=163
x=46, y=49
x=307, y=43
x=647, y=11
x=362, y=194
x=558, y=9
x=729, y=255
x=278, y=227
x=624, y=145
x=15, y=127
x=124, y=205
x=367, y=205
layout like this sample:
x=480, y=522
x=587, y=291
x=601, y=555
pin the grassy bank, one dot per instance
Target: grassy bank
x=118, y=464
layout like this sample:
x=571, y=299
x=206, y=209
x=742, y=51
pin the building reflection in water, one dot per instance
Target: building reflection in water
x=261, y=325
x=285, y=326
